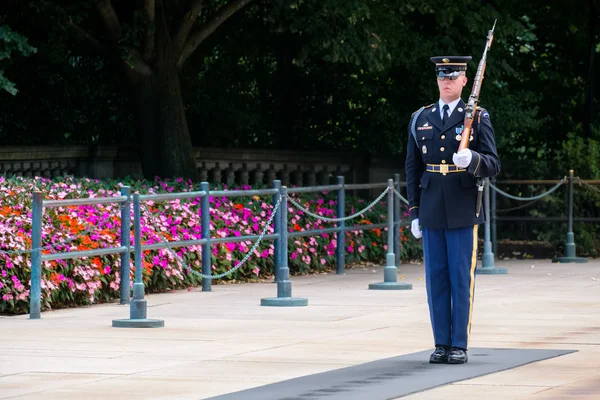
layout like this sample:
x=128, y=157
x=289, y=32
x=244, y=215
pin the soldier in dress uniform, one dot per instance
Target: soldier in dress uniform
x=442, y=188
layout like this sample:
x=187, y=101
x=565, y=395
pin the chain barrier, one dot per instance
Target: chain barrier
x=322, y=218
x=226, y=273
x=400, y=197
x=532, y=198
x=501, y=210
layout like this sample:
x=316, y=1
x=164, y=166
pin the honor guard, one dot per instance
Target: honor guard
x=442, y=185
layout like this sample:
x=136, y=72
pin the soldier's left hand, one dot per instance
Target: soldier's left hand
x=462, y=159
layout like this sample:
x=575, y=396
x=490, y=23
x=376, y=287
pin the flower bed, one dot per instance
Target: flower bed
x=96, y=279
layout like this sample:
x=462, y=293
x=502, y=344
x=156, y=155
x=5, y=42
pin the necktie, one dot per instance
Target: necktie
x=445, y=113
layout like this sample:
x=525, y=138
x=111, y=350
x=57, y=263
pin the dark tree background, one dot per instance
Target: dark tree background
x=302, y=74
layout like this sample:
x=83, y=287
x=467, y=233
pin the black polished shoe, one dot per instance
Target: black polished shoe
x=440, y=355
x=457, y=356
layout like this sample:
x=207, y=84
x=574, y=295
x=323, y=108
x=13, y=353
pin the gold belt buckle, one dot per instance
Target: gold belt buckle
x=444, y=169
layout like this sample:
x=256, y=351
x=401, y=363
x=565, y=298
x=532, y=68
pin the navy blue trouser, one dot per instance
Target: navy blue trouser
x=450, y=259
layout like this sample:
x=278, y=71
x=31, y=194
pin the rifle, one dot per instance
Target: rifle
x=471, y=108
x=474, y=97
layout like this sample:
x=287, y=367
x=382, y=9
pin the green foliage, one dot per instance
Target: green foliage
x=327, y=74
x=12, y=42
x=582, y=155
x=346, y=32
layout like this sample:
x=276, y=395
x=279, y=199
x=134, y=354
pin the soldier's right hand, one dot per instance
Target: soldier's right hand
x=415, y=229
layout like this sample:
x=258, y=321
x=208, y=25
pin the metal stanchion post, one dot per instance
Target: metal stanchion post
x=138, y=305
x=397, y=220
x=494, y=207
x=35, y=294
x=276, y=230
x=390, y=272
x=284, y=285
x=487, y=261
x=570, y=244
x=125, y=290
x=341, y=235
x=205, y=222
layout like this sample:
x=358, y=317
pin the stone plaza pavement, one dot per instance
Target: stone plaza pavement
x=224, y=341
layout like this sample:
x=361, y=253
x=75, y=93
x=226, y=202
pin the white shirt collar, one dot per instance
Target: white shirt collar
x=451, y=106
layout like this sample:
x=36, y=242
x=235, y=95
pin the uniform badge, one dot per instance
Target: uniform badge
x=459, y=130
x=424, y=127
x=460, y=110
x=458, y=137
x=424, y=150
x=433, y=110
x=471, y=138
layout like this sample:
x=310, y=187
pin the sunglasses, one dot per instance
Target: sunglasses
x=452, y=78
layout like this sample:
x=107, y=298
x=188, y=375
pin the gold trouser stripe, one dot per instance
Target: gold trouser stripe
x=472, y=288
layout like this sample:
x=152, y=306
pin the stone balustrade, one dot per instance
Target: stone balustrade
x=229, y=166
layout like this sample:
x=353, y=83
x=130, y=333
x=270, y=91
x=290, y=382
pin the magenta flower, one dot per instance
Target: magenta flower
x=93, y=278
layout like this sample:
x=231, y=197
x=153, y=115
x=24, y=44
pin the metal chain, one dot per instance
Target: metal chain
x=518, y=207
x=559, y=184
x=400, y=196
x=320, y=217
x=231, y=271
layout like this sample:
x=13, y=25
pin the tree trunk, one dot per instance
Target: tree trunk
x=164, y=142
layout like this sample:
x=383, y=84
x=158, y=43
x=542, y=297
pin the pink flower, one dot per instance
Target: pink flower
x=256, y=271
x=350, y=249
x=323, y=261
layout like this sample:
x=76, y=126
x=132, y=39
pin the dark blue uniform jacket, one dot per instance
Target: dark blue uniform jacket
x=448, y=201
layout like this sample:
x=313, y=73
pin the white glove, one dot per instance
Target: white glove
x=414, y=228
x=462, y=159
